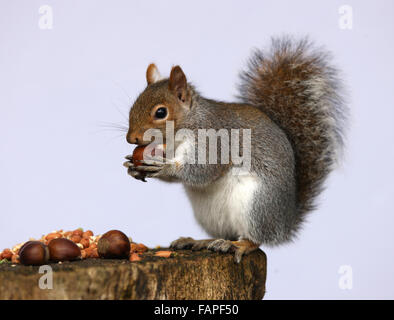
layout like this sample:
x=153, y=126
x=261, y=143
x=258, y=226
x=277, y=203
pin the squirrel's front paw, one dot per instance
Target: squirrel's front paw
x=135, y=174
x=148, y=168
x=152, y=167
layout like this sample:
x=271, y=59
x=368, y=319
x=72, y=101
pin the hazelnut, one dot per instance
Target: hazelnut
x=114, y=245
x=34, y=253
x=138, y=153
x=62, y=249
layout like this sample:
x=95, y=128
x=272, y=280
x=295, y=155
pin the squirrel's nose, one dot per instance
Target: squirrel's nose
x=133, y=138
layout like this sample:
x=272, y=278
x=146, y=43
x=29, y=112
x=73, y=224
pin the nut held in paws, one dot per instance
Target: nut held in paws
x=138, y=153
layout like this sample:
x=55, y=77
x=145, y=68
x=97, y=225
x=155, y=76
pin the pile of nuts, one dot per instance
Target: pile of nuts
x=62, y=245
x=73, y=245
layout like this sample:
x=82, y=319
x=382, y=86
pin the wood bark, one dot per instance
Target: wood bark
x=185, y=275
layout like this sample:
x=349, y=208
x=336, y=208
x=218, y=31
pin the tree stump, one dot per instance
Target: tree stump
x=185, y=275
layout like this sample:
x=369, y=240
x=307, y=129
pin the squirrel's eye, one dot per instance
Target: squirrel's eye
x=161, y=113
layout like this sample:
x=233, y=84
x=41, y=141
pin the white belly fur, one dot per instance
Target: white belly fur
x=221, y=208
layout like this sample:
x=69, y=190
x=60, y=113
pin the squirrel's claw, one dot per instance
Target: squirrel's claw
x=142, y=171
x=152, y=167
x=129, y=157
x=239, y=248
x=227, y=246
x=128, y=164
x=221, y=245
x=136, y=174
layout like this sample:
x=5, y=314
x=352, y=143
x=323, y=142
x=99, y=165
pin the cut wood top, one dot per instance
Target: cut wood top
x=185, y=275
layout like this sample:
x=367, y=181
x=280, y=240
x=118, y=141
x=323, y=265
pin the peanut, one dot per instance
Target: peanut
x=85, y=242
x=77, y=232
x=141, y=247
x=52, y=236
x=95, y=253
x=163, y=254
x=76, y=238
x=87, y=234
x=7, y=254
x=67, y=234
x=137, y=247
x=89, y=252
x=134, y=257
x=15, y=258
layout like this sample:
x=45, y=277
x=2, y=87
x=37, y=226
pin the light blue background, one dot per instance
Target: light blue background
x=60, y=168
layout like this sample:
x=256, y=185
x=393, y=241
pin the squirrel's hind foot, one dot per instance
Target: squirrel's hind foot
x=190, y=243
x=239, y=248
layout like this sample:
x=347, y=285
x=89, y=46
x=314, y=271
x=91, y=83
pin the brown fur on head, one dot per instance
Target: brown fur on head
x=172, y=94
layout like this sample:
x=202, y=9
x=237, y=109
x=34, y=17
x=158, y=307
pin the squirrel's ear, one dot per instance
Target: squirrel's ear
x=152, y=74
x=178, y=83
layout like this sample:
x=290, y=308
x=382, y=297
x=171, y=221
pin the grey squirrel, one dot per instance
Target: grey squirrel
x=291, y=99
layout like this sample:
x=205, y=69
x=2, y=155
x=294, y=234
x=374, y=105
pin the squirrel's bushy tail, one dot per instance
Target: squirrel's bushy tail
x=294, y=84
